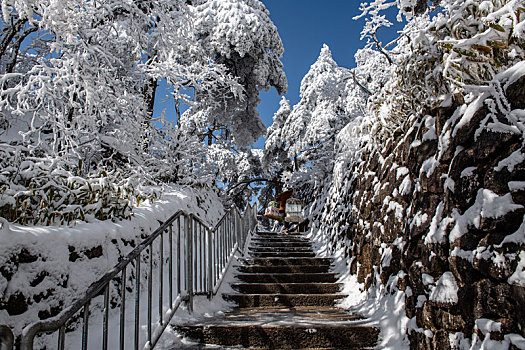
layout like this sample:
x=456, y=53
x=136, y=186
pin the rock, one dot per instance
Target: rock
x=17, y=304
x=91, y=253
x=483, y=288
x=94, y=252
x=418, y=341
x=518, y=295
x=493, y=144
x=50, y=312
x=441, y=340
x=26, y=257
x=464, y=270
x=516, y=94
x=492, y=301
x=465, y=134
x=73, y=255
x=437, y=319
x=39, y=278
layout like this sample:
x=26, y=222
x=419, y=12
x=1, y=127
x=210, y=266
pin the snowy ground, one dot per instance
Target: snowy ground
x=49, y=249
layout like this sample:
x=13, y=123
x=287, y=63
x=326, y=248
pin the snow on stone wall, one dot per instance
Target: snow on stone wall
x=445, y=197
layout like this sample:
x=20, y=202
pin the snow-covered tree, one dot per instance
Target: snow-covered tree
x=77, y=96
x=275, y=153
x=309, y=131
x=239, y=35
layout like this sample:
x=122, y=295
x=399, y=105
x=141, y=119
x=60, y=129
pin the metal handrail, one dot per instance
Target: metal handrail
x=6, y=338
x=208, y=252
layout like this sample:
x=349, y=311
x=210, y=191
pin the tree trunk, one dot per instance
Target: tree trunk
x=149, y=90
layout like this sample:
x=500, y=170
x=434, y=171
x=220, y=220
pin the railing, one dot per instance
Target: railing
x=194, y=262
x=6, y=338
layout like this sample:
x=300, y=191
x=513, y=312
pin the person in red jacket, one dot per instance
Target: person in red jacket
x=282, y=198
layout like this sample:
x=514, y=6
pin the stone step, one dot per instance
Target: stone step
x=287, y=277
x=279, y=238
x=287, y=288
x=261, y=249
x=295, y=337
x=286, y=300
x=287, y=261
x=278, y=234
x=282, y=254
x=283, y=269
x=273, y=244
x=270, y=242
x=278, y=328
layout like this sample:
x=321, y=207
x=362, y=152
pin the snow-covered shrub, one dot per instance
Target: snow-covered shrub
x=459, y=49
x=42, y=190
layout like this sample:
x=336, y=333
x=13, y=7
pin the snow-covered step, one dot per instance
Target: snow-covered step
x=271, y=244
x=277, y=299
x=280, y=238
x=287, y=288
x=278, y=254
x=286, y=328
x=287, y=277
x=286, y=261
x=283, y=268
x=285, y=299
x=264, y=249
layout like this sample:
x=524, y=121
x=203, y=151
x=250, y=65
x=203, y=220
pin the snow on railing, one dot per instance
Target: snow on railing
x=194, y=262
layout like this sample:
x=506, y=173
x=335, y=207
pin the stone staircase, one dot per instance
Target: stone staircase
x=285, y=297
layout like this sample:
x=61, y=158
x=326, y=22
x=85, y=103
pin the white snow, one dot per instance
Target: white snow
x=488, y=204
x=464, y=254
x=427, y=279
x=446, y=289
x=517, y=237
x=386, y=256
x=383, y=307
x=405, y=186
x=469, y=111
x=511, y=161
x=518, y=277
x=516, y=186
x=438, y=225
x=449, y=184
x=468, y=171
x=486, y=326
x=512, y=74
x=51, y=245
x=429, y=166
x=400, y=172
x=430, y=123
x=421, y=300
x=419, y=219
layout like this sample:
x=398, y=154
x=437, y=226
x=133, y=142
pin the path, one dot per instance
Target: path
x=285, y=300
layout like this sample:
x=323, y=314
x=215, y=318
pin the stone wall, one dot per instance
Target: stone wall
x=441, y=206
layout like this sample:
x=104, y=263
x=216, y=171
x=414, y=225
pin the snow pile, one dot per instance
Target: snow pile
x=487, y=205
x=57, y=268
x=383, y=306
x=445, y=290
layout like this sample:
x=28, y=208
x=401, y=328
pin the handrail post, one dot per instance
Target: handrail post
x=210, y=265
x=6, y=338
x=189, y=261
